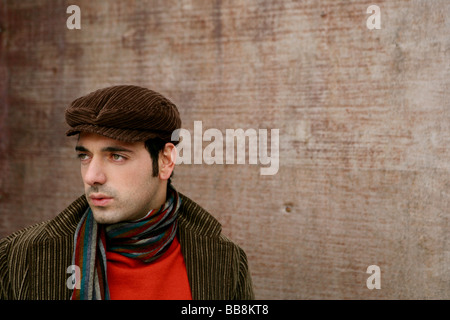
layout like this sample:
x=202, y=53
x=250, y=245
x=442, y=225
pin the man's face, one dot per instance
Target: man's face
x=117, y=178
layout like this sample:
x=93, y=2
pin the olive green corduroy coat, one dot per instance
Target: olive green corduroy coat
x=34, y=261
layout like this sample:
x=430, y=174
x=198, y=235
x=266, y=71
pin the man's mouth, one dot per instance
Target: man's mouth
x=100, y=200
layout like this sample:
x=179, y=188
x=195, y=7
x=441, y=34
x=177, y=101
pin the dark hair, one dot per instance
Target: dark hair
x=155, y=146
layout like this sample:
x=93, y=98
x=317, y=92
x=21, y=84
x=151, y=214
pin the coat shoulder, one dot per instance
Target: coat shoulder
x=16, y=250
x=63, y=224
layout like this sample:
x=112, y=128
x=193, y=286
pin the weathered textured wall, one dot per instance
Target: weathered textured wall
x=364, y=122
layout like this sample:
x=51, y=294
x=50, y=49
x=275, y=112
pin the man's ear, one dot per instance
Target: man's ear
x=167, y=158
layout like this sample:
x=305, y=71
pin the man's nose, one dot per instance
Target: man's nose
x=94, y=173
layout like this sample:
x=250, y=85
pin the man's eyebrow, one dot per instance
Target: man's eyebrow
x=116, y=149
x=81, y=148
x=106, y=149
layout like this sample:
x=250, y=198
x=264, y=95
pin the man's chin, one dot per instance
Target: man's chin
x=104, y=216
x=112, y=215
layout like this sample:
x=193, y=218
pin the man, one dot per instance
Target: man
x=131, y=235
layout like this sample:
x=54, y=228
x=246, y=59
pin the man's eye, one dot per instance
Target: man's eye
x=82, y=156
x=117, y=157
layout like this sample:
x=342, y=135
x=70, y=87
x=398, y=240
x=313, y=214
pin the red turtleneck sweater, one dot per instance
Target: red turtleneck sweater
x=163, y=279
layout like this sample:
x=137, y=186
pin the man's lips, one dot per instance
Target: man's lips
x=100, y=200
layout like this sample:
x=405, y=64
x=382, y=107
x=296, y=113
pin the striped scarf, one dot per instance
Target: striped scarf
x=145, y=239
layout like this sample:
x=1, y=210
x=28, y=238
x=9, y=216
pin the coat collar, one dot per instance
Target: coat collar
x=196, y=219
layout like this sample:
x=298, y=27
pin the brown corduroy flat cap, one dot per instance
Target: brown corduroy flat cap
x=125, y=112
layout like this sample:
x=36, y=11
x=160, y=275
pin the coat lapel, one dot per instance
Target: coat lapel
x=208, y=257
x=50, y=254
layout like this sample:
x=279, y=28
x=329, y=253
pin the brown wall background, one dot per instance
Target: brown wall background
x=364, y=122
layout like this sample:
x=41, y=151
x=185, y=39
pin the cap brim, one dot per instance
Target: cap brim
x=126, y=135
